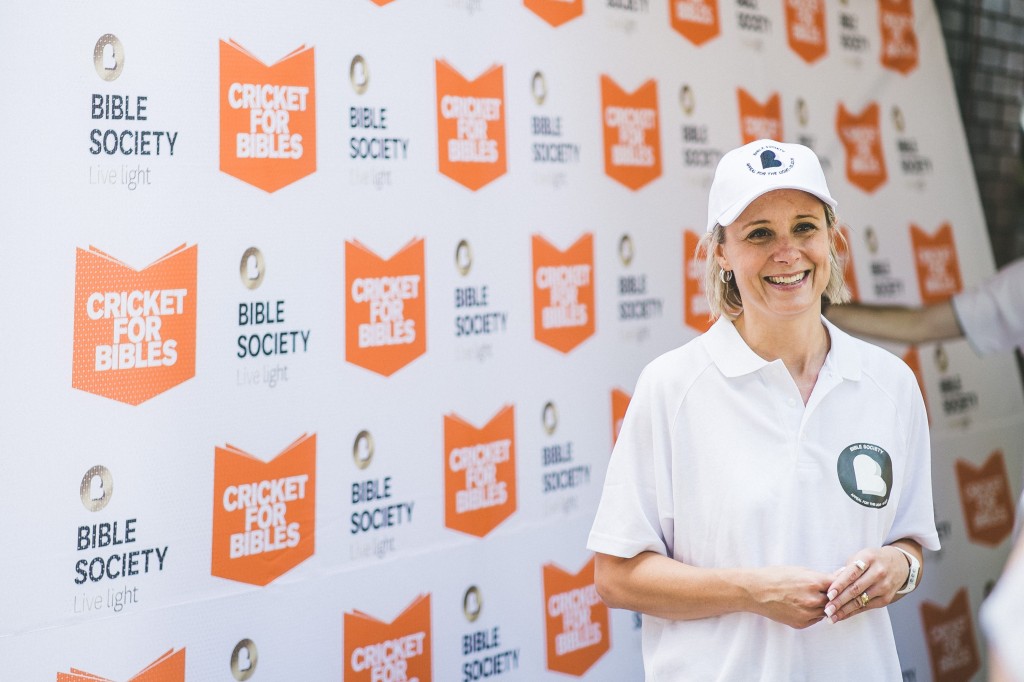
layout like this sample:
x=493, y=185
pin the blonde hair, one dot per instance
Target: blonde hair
x=724, y=297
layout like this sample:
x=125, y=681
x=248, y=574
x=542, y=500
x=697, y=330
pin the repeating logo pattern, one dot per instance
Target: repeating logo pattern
x=987, y=500
x=575, y=620
x=264, y=513
x=936, y=263
x=861, y=136
x=949, y=632
x=620, y=403
x=479, y=473
x=696, y=20
x=471, y=125
x=168, y=668
x=696, y=311
x=632, y=140
x=400, y=650
x=135, y=331
x=899, y=40
x=759, y=121
x=563, y=293
x=555, y=12
x=267, y=117
x=385, y=307
x=805, y=29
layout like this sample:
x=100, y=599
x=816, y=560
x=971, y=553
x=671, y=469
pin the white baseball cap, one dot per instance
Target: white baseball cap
x=747, y=172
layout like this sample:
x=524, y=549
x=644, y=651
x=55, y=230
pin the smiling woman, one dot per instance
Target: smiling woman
x=739, y=482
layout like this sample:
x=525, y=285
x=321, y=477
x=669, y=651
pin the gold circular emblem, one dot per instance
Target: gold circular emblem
x=687, y=102
x=549, y=417
x=539, y=88
x=803, y=113
x=362, y=449
x=472, y=603
x=359, y=74
x=96, y=488
x=108, y=57
x=626, y=250
x=243, y=660
x=252, y=267
x=463, y=257
x=897, y=118
x=871, y=237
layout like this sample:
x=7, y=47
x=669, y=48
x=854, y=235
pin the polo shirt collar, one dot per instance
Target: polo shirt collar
x=734, y=358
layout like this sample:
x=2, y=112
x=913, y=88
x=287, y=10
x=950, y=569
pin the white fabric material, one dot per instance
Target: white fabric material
x=1001, y=621
x=720, y=464
x=756, y=168
x=992, y=315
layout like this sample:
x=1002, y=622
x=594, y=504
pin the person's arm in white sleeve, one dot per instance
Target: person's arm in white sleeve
x=655, y=584
x=902, y=324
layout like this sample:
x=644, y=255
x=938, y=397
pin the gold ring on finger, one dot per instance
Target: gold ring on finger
x=864, y=599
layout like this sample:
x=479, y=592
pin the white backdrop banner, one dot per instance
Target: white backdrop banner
x=329, y=314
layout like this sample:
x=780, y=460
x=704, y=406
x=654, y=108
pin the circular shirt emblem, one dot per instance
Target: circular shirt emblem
x=865, y=472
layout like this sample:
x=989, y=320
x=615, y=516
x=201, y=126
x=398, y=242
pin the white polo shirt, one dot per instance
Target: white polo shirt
x=720, y=464
x=992, y=315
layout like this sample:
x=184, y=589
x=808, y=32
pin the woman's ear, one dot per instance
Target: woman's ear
x=723, y=262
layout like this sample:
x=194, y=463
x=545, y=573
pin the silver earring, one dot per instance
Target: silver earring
x=725, y=276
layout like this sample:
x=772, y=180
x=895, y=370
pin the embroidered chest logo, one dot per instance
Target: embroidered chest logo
x=865, y=472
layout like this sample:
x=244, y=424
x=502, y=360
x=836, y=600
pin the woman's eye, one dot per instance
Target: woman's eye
x=806, y=227
x=759, y=233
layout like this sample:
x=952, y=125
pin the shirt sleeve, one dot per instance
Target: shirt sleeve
x=1001, y=621
x=628, y=519
x=992, y=315
x=915, y=517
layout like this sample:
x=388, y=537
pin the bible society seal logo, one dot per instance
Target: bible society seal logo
x=865, y=472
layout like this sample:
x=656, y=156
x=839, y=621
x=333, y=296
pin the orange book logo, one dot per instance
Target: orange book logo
x=632, y=142
x=757, y=121
x=264, y=513
x=986, y=499
x=845, y=254
x=471, y=125
x=267, y=117
x=805, y=29
x=555, y=12
x=899, y=41
x=399, y=650
x=696, y=312
x=949, y=632
x=381, y=3
x=563, y=293
x=479, y=473
x=620, y=402
x=168, y=668
x=696, y=20
x=135, y=331
x=862, y=140
x=385, y=307
x=575, y=620
x=936, y=262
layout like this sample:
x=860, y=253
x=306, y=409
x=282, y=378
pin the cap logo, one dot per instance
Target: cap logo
x=772, y=161
x=768, y=160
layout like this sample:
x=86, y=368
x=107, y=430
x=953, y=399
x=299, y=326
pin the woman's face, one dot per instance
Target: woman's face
x=778, y=251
